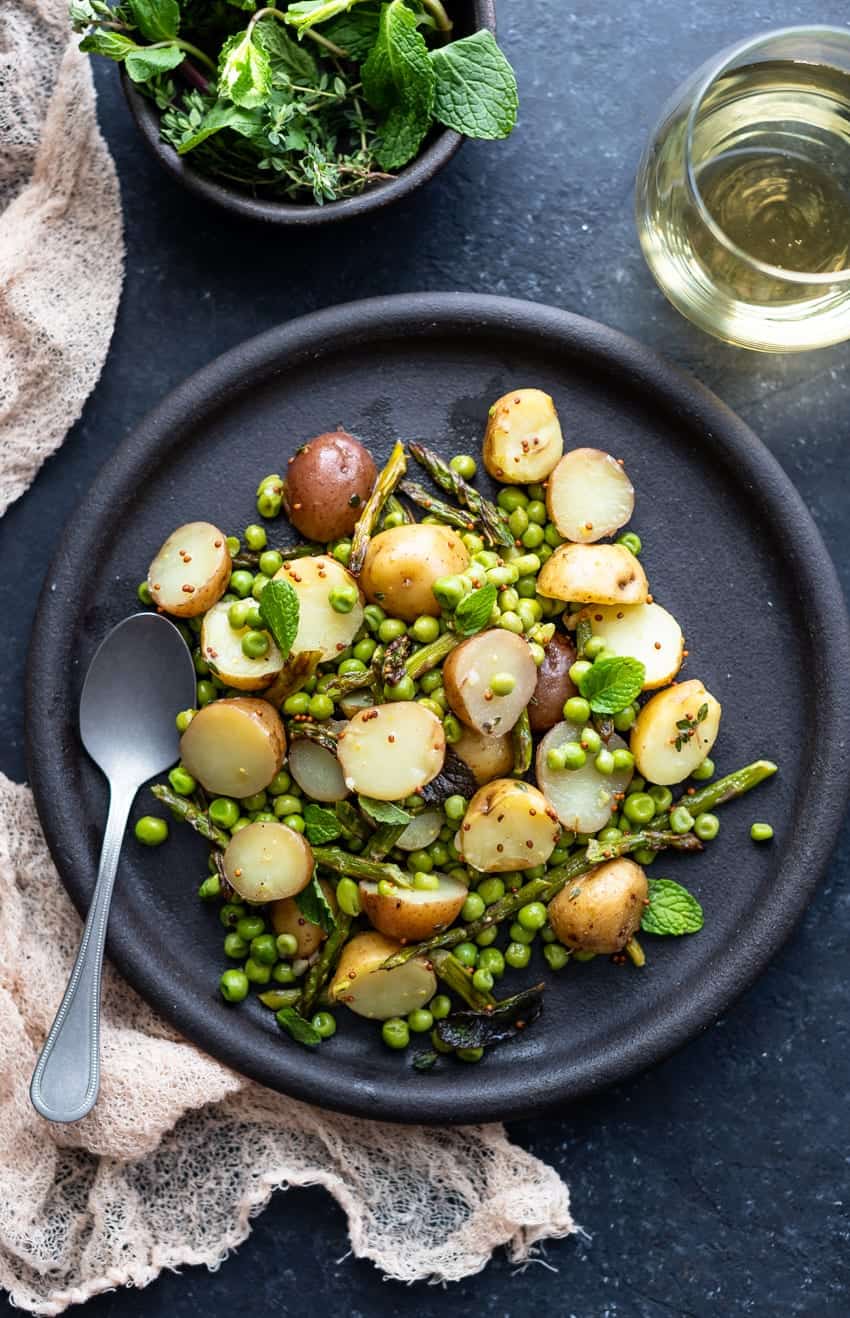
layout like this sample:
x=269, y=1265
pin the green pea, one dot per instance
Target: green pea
x=510, y=497
x=250, y=927
x=438, y=853
x=593, y=647
x=662, y=796
x=518, y=522
x=440, y=1007
x=448, y=592
x=482, y=981
x=256, y=802
x=464, y=465
x=257, y=971
x=625, y=719
x=210, y=888
x=235, y=946
x=343, y=598
x=487, y=936
x=241, y=582
x=373, y=616
x=395, y=1032
x=552, y=537
x=532, y=915
x=502, y=684
x=342, y=552
x=517, y=955
x=364, y=650
x=351, y=666
x=396, y=518
x=511, y=622
x=321, y=706
x=420, y=860
x=348, y=897
x=231, y=913
x=505, y=575
x=299, y=703
x=254, y=537
x=255, y=644
x=518, y=934
x=681, y=819
x=547, y=933
x=639, y=808
x=574, y=756
x=556, y=758
x=182, y=781
x=391, y=629
x=286, y=944
x=144, y=593
x=533, y=537
x=630, y=541
x=234, y=985
x=452, y=729
x=264, y=949
x=296, y=823
x=237, y=615
x=560, y=854
x=324, y=1024
x=454, y=808
x=608, y=835
x=623, y=760
x=404, y=689
x=556, y=956
x=205, y=693
x=283, y=973
x=604, y=762
x=645, y=856
x=637, y=784
x=195, y=625
x=576, y=709
x=425, y=629
x=472, y=541
x=151, y=831
x=424, y=881
x=578, y=670
x=202, y=668
x=184, y=718
x=706, y=826
x=491, y=890
x=492, y=960
x=420, y=1021
x=280, y=784
x=761, y=832
x=430, y=682
x=703, y=771
x=474, y=907
x=466, y=953
x=431, y=705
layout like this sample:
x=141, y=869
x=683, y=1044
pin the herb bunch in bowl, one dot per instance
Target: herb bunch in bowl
x=313, y=99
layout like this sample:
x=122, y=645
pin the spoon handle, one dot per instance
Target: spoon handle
x=67, y=1075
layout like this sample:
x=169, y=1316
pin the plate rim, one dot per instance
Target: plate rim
x=430, y=315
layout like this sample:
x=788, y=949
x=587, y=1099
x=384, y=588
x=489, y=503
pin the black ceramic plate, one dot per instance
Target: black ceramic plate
x=729, y=548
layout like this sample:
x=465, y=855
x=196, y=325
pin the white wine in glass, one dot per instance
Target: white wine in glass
x=743, y=194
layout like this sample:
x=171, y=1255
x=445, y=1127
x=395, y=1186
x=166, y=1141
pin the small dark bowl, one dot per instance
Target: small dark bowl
x=469, y=16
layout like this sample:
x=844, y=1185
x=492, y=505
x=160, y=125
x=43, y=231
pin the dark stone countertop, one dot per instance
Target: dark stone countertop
x=716, y=1184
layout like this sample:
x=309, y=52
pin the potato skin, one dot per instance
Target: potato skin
x=326, y=484
x=260, y=712
x=603, y=909
x=410, y=922
x=486, y=757
x=554, y=684
x=402, y=564
x=286, y=918
x=593, y=574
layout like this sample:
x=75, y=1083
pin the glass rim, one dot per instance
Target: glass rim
x=718, y=67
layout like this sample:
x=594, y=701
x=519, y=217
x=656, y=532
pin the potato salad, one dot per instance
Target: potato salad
x=441, y=739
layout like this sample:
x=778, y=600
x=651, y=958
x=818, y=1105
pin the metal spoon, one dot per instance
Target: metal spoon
x=141, y=676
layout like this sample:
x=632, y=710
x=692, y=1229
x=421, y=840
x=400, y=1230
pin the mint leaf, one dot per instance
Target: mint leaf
x=384, y=812
x=473, y=613
x=300, y=1030
x=244, y=71
x=286, y=56
x=476, y=91
x=356, y=31
x=279, y=611
x=398, y=79
x=157, y=20
x=148, y=61
x=307, y=13
x=671, y=910
x=313, y=905
x=321, y=825
x=401, y=137
x=611, y=684
x=114, y=45
x=221, y=115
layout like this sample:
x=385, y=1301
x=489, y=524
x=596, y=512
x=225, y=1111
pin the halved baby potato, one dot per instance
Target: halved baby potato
x=508, y=825
x=286, y=918
x=523, y=440
x=584, y=798
x=368, y=990
x=410, y=914
x=422, y=830
x=319, y=626
x=641, y=631
x=267, y=861
x=601, y=911
x=390, y=751
x=234, y=747
x=486, y=757
x=674, y=732
x=593, y=574
x=471, y=667
x=221, y=647
x=191, y=570
x=589, y=496
x=402, y=564
x=316, y=769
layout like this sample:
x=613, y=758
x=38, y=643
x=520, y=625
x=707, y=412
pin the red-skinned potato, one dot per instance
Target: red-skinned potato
x=327, y=482
x=234, y=747
x=602, y=910
x=554, y=684
x=402, y=564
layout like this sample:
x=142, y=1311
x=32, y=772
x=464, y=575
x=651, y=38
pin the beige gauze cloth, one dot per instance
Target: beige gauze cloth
x=180, y=1152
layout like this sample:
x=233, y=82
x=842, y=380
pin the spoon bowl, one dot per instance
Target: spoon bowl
x=141, y=676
